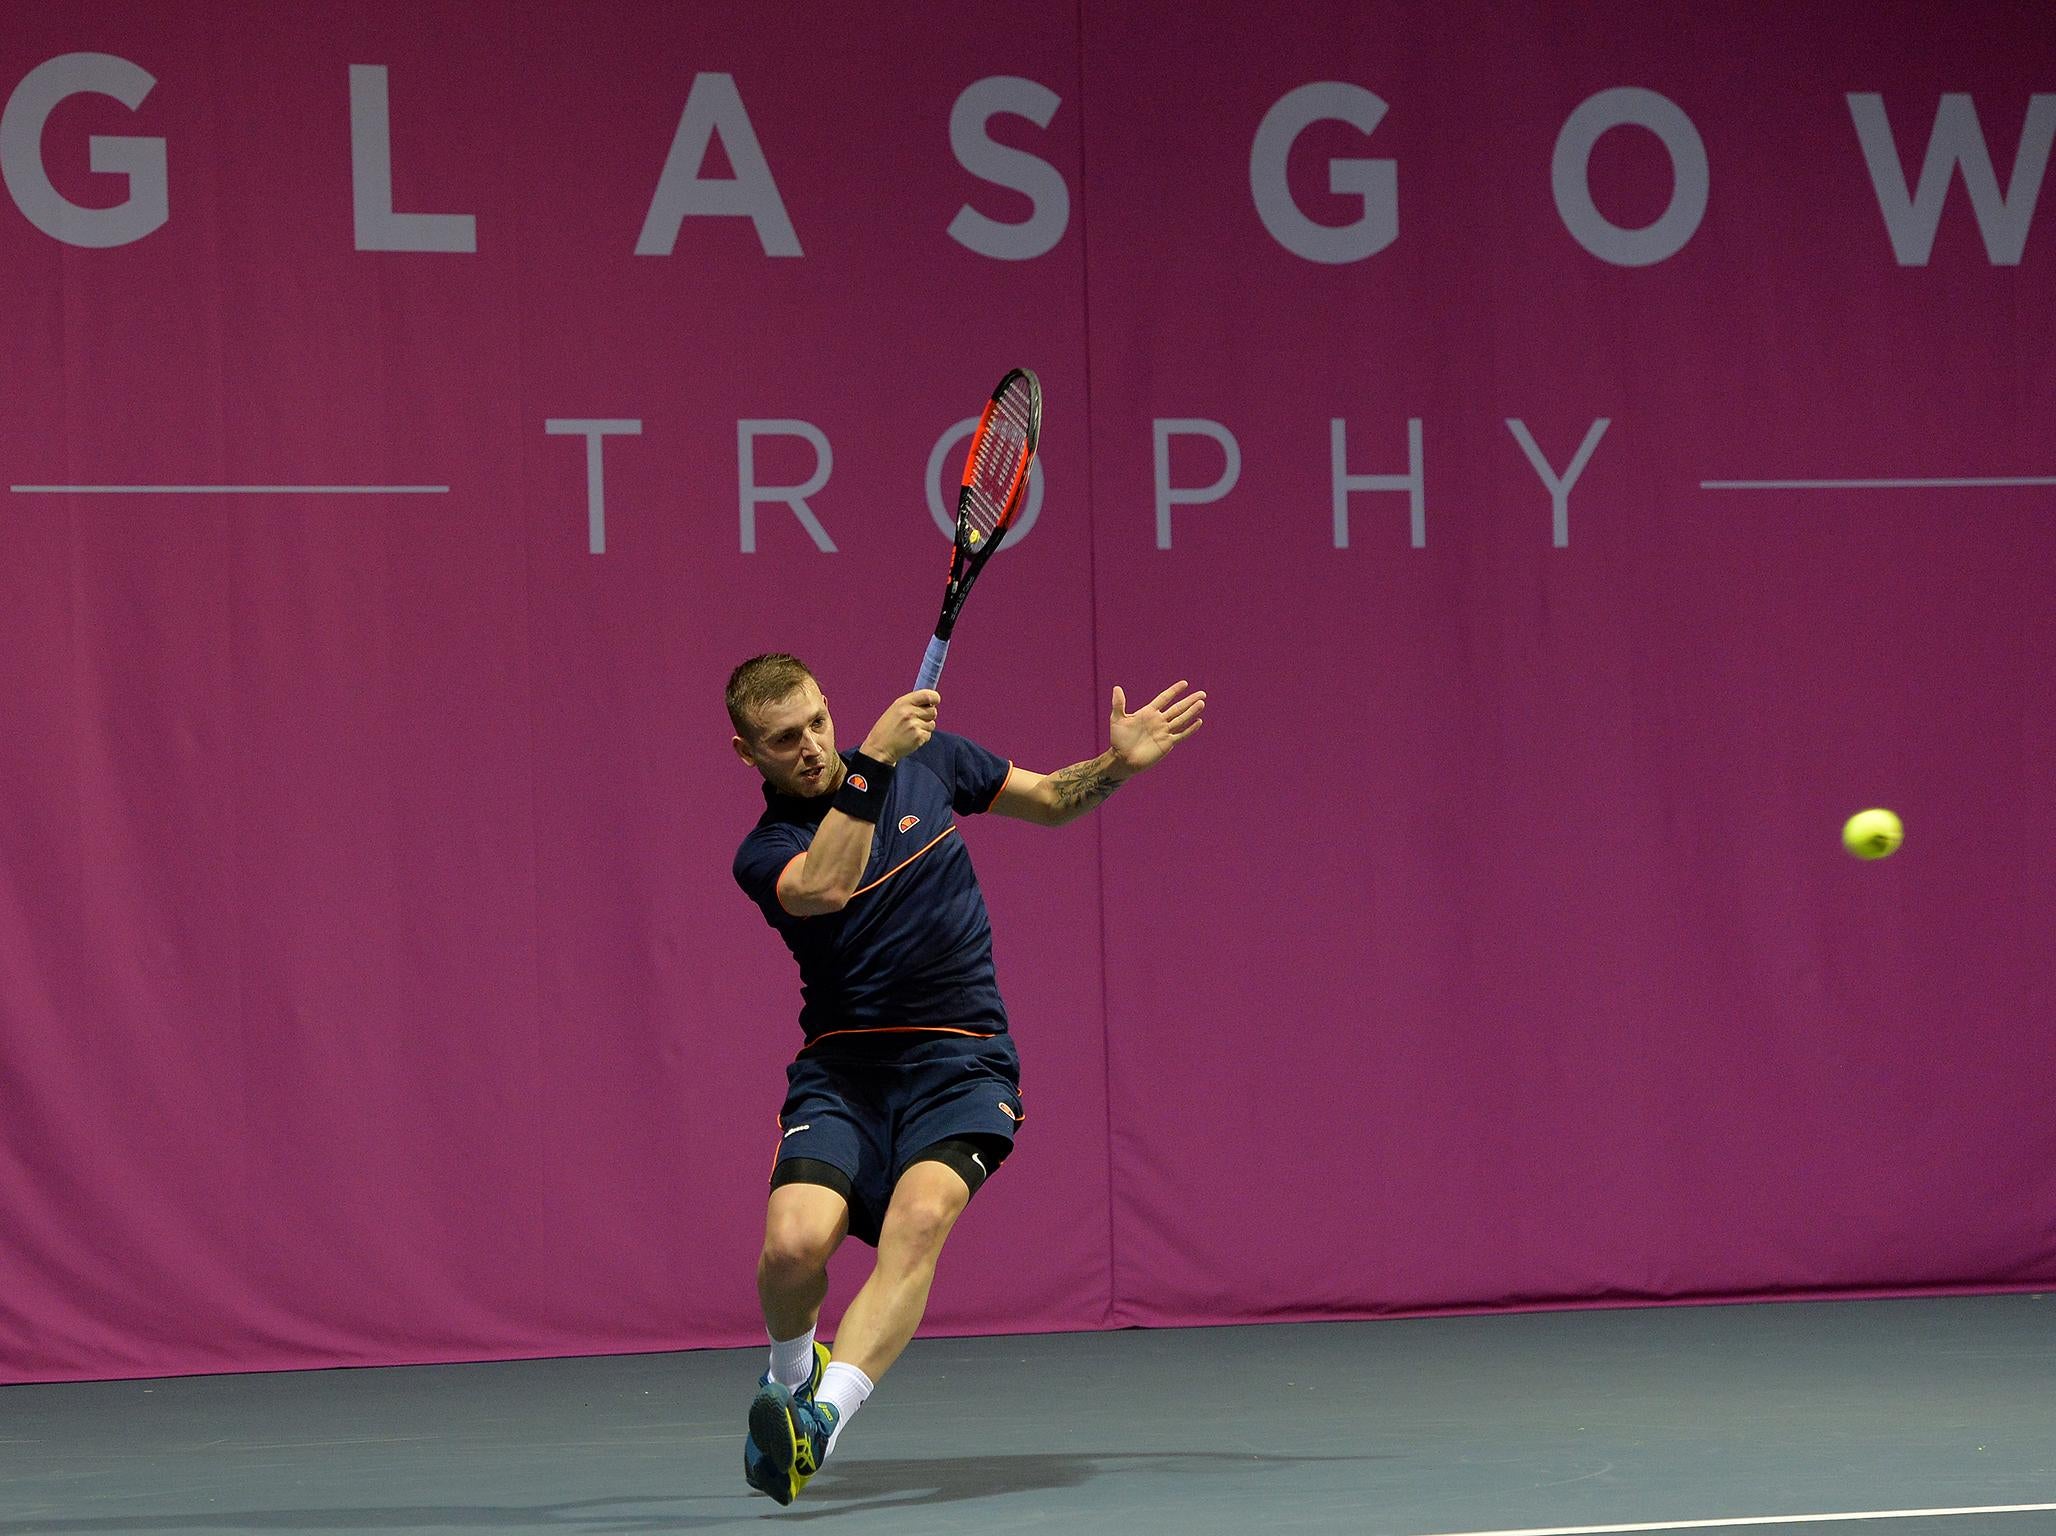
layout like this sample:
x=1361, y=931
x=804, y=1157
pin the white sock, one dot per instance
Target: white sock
x=846, y=1387
x=792, y=1360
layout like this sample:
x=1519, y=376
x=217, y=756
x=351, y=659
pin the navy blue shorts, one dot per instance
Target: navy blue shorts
x=868, y=1108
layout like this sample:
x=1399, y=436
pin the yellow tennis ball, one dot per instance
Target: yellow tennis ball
x=1872, y=834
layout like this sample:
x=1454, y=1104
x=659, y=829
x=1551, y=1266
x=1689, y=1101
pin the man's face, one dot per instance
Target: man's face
x=792, y=744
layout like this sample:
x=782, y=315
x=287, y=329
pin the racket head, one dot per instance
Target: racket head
x=995, y=477
x=996, y=467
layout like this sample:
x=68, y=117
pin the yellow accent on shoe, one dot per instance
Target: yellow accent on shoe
x=790, y=1434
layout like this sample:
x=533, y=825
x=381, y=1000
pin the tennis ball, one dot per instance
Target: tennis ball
x=1872, y=834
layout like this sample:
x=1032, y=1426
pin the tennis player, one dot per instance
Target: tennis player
x=906, y=1096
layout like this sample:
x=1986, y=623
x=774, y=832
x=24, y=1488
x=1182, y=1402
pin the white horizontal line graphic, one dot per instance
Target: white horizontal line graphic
x=228, y=490
x=1952, y=482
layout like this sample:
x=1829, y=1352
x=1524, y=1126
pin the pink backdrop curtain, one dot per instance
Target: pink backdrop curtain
x=372, y=987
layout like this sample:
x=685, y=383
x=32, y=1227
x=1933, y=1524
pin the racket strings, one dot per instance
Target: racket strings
x=992, y=480
x=993, y=468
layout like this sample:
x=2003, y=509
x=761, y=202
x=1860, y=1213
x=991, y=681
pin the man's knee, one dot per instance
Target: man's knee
x=792, y=1253
x=802, y=1229
x=925, y=1205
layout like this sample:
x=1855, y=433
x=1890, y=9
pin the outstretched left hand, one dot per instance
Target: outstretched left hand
x=1147, y=735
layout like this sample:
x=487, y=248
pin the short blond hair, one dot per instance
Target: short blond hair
x=761, y=682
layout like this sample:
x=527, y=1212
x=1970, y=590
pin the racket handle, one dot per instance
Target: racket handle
x=931, y=662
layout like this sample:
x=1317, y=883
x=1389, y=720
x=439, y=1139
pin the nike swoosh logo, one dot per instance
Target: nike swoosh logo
x=797, y=1129
x=980, y=1162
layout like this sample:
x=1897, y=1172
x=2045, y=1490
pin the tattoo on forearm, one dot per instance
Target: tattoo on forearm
x=1082, y=786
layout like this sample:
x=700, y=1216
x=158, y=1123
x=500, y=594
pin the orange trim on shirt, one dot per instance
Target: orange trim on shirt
x=903, y=863
x=1002, y=788
x=904, y=1029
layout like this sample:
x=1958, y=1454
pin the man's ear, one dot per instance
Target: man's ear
x=742, y=750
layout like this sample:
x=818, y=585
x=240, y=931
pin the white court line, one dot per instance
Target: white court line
x=227, y=490
x=1702, y=1525
x=1947, y=483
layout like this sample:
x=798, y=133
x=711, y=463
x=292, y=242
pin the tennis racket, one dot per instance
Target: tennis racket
x=995, y=478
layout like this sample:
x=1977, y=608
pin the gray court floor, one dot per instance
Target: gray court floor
x=1537, y=1422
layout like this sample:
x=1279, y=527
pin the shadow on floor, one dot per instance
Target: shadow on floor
x=908, y=1483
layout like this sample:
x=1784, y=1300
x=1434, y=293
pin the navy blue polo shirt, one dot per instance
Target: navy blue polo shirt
x=913, y=948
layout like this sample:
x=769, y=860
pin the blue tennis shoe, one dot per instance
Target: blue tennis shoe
x=788, y=1438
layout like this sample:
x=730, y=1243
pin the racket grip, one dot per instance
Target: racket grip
x=931, y=662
